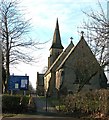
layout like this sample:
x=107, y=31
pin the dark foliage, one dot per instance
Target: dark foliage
x=14, y=104
x=93, y=103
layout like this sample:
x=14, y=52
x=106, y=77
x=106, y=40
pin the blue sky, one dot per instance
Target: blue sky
x=43, y=14
x=69, y=12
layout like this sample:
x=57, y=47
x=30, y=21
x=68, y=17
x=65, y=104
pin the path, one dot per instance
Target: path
x=41, y=118
x=43, y=105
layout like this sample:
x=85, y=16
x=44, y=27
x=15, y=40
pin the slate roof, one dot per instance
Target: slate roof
x=60, y=58
x=73, y=49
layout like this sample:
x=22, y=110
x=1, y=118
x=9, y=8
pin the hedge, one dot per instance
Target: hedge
x=14, y=104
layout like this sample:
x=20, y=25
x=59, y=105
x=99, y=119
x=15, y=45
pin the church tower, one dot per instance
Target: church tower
x=56, y=47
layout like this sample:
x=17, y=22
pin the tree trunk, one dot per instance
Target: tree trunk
x=7, y=72
x=7, y=56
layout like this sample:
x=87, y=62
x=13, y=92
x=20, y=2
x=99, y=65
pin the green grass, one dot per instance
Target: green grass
x=9, y=115
x=62, y=107
x=53, y=101
x=26, y=115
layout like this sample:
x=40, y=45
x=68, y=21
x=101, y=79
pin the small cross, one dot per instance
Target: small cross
x=82, y=32
x=71, y=38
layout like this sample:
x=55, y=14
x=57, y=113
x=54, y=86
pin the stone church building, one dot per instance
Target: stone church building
x=72, y=69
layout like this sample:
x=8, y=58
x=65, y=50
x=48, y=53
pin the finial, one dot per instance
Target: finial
x=82, y=32
x=71, y=38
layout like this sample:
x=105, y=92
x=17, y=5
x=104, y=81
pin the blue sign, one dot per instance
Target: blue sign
x=18, y=82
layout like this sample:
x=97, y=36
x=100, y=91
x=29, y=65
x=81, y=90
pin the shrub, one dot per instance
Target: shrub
x=88, y=102
x=14, y=104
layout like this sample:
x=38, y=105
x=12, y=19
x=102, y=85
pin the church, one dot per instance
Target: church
x=72, y=69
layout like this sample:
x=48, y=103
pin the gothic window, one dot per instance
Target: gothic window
x=77, y=80
x=82, y=47
x=57, y=54
x=62, y=73
x=62, y=77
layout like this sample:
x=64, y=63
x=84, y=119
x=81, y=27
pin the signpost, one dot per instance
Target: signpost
x=17, y=83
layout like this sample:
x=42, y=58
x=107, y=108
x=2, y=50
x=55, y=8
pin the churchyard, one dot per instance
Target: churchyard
x=87, y=105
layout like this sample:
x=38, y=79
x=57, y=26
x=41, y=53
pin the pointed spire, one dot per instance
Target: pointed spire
x=56, y=38
x=57, y=25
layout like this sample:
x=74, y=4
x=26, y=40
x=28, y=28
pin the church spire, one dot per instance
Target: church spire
x=56, y=38
x=56, y=47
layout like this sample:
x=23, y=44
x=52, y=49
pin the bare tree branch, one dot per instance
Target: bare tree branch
x=14, y=29
x=97, y=29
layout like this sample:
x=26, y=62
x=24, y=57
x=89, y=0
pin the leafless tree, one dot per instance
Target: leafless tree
x=97, y=33
x=14, y=29
x=44, y=69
